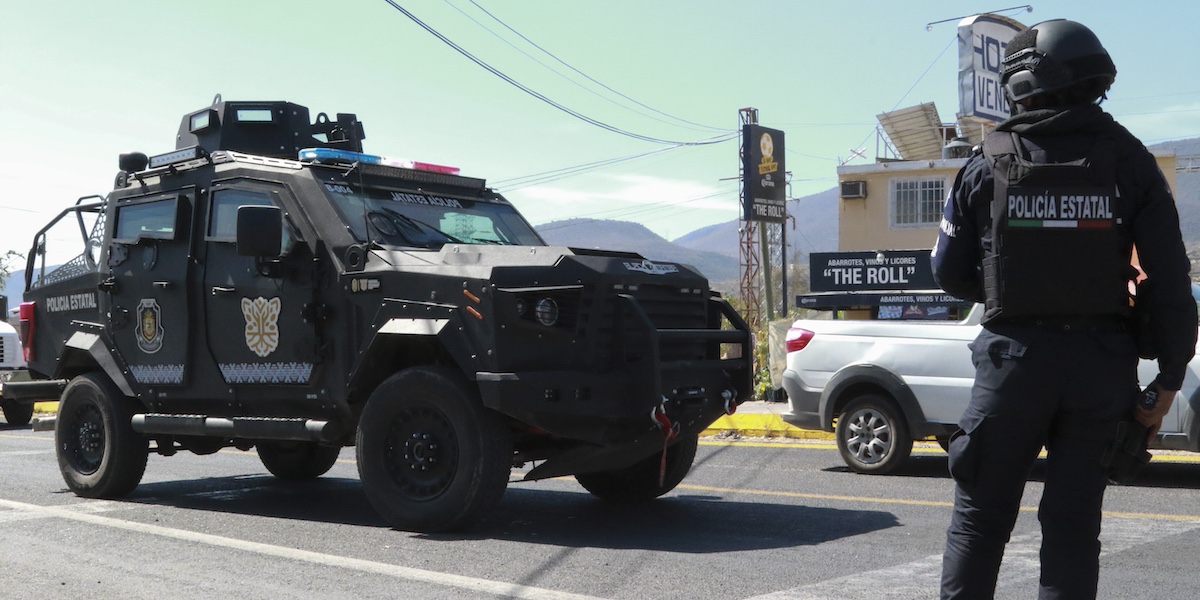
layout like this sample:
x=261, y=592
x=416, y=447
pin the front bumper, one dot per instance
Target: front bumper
x=613, y=406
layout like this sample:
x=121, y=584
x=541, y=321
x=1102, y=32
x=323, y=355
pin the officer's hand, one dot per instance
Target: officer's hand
x=1152, y=418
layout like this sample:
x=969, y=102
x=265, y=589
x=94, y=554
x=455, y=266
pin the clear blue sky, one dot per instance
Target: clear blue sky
x=82, y=81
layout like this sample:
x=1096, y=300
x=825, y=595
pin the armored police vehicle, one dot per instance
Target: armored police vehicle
x=268, y=285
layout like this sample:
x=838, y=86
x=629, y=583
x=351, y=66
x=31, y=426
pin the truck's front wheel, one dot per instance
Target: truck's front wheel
x=99, y=453
x=431, y=457
x=640, y=481
x=872, y=435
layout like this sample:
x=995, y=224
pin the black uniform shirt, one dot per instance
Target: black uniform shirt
x=1059, y=135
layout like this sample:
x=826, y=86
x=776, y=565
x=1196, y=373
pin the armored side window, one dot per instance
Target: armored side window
x=222, y=225
x=154, y=220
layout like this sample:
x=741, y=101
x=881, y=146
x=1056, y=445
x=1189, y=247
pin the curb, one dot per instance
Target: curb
x=762, y=425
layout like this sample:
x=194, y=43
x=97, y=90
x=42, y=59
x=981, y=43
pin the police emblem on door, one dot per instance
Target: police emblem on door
x=149, y=329
x=262, y=324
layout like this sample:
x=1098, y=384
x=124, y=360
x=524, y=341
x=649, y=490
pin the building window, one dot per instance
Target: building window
x=917, y=202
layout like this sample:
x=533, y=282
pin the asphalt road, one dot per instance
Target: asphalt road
x=773, y=520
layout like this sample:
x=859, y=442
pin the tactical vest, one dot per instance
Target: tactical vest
x=1059, y=243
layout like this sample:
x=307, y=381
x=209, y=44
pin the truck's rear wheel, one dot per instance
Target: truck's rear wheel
x=431, y=457
x=17, y=414
x=639, y=482
x=872, y=435
x=297, y=461
x=99, y=453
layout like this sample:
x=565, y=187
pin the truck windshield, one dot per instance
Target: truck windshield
x=427, y=220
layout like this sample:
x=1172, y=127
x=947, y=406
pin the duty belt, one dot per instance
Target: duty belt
x=1100, y=324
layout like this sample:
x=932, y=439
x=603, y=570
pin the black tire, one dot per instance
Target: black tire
x=17, y=414
x=639, y=482
x=872, y=435
x=99, y=453
x=431, y=457
x=297, y=461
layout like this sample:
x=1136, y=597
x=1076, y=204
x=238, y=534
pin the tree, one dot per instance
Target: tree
x=7, y=260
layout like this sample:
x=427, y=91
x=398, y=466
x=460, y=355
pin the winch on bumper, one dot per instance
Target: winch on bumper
x=680, y=373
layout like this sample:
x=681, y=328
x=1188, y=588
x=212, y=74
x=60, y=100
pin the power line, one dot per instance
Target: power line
x=524, y=181
x=627, y=211
x=548, y=67
x=1025, y=7
x=1111, y=99
x=914, y=85
x=581, y=73
x=515, y=183
x=1157, y=112
x=536, y=94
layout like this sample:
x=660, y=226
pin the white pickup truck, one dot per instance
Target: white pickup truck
x=12, y=365
x=887, y=383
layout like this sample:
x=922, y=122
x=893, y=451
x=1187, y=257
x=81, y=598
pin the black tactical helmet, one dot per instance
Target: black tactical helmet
x=1052, y=56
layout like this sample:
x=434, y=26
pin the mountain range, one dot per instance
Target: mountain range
x=714, y=250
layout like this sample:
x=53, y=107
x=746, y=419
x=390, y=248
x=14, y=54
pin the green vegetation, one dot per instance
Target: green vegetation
x=7, y=260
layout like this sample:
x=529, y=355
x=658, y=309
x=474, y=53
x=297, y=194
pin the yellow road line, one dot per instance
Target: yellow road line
x=1190, y=458
x=902, y=502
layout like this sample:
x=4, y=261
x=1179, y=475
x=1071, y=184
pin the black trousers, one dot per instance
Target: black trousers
x=1035, y=388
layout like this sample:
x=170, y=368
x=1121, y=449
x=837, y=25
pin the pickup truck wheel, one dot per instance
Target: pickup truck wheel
x=99, y=453
x=431, y=457
x=297, y=461
x=17, y=414
x=639, y=482
x=872, y=435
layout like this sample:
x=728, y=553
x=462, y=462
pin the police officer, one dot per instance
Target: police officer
x=1040, y=227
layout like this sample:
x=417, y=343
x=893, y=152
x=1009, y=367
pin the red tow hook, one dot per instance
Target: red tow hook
x=670, y=431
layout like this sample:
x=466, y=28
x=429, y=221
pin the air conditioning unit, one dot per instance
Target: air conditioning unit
x=854, y=189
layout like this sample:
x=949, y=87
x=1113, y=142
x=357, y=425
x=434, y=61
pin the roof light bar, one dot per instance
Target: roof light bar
x=178, y=156
x=346, y=156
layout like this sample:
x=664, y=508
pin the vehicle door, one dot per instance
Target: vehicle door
x=257, y=329
x=149, y=263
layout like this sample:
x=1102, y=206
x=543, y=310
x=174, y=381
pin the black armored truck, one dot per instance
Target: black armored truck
x=268, y=285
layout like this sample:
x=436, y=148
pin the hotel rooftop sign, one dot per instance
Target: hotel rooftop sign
x=982, y=40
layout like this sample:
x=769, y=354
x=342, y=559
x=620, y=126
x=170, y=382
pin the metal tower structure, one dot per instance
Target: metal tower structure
x=751, y=266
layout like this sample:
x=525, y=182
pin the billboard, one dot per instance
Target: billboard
x=870, y=271
x=982, y=40
x=764, y=183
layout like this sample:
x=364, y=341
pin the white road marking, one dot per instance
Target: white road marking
x=473, y=584
x=922, y=578
x=89, y=507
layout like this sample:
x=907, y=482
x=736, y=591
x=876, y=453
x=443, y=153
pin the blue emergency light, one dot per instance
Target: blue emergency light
x=330, y=155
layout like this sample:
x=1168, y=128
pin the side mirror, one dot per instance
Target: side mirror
x=260, y=231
